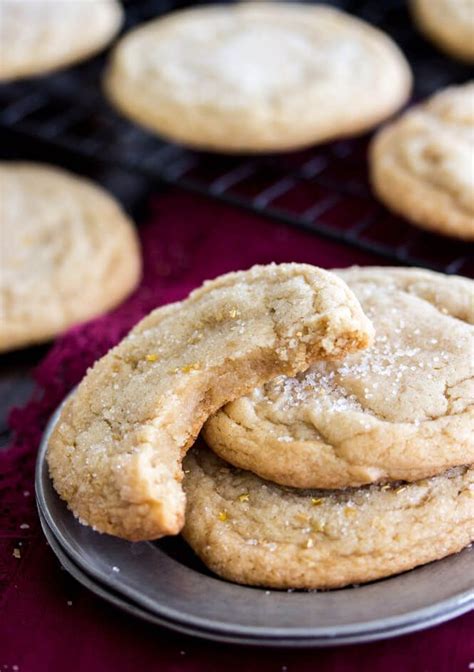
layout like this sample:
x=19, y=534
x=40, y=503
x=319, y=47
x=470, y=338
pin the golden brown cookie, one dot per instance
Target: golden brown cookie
x=39, y=36
x=422, y=164
x=257, y=77
x=401, y=410
x=254, y=532
x=68, y=252
x=115, y=454
x=449, y=23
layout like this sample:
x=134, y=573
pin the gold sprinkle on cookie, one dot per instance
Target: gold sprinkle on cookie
x=188, y=368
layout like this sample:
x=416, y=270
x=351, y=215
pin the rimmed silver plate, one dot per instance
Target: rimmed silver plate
x=163, y=583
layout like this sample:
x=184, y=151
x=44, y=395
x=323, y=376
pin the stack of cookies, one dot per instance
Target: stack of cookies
x=340, y=418
x=369, y=453
x=337, y=408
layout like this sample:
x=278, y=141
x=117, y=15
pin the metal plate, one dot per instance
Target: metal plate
x=154, y=582
x=89, y=583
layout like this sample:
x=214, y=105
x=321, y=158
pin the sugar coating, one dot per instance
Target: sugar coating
x=421, y=164
x=115, y=454
x=68, y=252
x=282, y=537
x=257, y=76
x=43, y=35
x=401, y=409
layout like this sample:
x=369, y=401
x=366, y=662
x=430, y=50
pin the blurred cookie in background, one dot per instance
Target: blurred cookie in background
x=449, y=24
x=257, y=77
x=422, y=164
x=44, y=35
x=68, y=252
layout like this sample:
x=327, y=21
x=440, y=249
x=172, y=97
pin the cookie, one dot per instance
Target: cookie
x=44, y=35
x=257, y=77
x=449, y=24
x=254, y=532
x=115, y=455
x=401, y=410
x=421, y=165
x=68, y=252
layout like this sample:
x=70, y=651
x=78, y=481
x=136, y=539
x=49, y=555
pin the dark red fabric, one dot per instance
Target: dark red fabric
x=48, y=622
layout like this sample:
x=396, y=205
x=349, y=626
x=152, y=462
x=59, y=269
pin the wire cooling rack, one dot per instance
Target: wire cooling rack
x=324, y=189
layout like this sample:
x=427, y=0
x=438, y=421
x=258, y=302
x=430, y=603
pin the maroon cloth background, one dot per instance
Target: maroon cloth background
x=186, y=240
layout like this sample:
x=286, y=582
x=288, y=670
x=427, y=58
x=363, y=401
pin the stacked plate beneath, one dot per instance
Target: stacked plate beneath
x=163, y=583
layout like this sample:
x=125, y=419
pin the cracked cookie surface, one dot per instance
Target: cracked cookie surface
x=401, y=410
x=422, y=164
x=255, y=532
x=257, y=76
x=68, y=252
x=115, y=454
x=44, y=35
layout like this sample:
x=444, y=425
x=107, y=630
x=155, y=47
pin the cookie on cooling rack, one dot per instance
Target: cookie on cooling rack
x=255, y=532
x=422, y=164
x=449, y=23
x=68, y=252
x=401, y=410
x=257, y=77
x=115, y=455
x=44, y=35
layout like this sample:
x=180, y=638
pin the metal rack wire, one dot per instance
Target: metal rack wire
x=324, y=189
